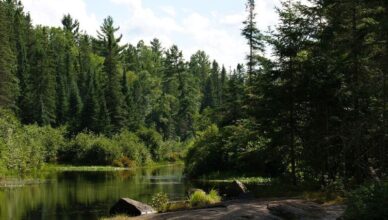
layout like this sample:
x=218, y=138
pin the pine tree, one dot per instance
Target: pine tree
x=9, y=85
x=91, y=108
x=70, y=25
x=41, y=82
x=111, y=50
x=254, y=38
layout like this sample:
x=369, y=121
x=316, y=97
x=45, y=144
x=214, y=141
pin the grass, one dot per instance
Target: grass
x=228, y=177
x=246, y=180
x=53, y=167
x=200, y=198
x=61, y=167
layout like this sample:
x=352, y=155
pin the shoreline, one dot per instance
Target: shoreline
x=246, y=209
x=14, y=180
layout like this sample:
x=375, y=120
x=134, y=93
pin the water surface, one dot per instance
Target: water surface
x=88, y=195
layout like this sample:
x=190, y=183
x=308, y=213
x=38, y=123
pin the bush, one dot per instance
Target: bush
x=90, y=149
x=124, y=162
x=102, y=152
x=132, y=147
x=159, y=201
x=21, y=148
x=51, y=139
x=368, y=202
x=152, y=140
x=199, y=198
x=173, y=151
x=205, y=156
x=234, y=148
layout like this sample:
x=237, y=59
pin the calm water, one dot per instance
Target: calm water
x=88, y=195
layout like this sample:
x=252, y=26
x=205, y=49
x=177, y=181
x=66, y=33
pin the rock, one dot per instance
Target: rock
x=131, y=208
x=297, y=210
x=237, y=189
x=240, y=186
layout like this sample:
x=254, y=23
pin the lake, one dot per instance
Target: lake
x=88, y=195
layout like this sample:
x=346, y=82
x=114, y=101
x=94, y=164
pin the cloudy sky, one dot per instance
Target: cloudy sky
x=210, y=25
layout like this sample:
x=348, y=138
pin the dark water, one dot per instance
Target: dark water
x=88, y=195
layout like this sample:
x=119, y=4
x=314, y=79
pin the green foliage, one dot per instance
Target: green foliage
x=90, y=149
x=233, y=148
x=50, y=138
x=124, y=162
x=205, y=153
x=132, y=147
x=173, y=151
x=199, y=198
x=9, y=85
x=24, y=148
x=368, y=202
x=160, y=201
x=152, y=140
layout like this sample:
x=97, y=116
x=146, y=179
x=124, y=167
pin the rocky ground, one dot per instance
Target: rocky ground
x=254, y=209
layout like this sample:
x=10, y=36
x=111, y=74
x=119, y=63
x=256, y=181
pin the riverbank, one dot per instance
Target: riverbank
x=60, y=167
x=251, y=209
x=12, y=179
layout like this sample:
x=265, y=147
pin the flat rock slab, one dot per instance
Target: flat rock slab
x=236, y=210
x=297, y=209
x=131, y=207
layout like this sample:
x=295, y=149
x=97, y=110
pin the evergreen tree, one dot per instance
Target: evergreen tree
x=70, y=25
x=111, y=50
x=90, y=111
x=9, y=88
x=254, y=38
x=41, y=82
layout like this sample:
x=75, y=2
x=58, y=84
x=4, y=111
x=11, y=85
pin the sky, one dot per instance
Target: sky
x=210, y=25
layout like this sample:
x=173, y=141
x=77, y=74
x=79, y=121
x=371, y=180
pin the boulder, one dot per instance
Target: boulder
x=237, y=189
x=297, y=210
x=131, y=207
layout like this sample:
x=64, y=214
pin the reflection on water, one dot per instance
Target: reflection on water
x=88, y=195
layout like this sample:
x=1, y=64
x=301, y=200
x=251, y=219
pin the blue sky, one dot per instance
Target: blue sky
x=210, y=25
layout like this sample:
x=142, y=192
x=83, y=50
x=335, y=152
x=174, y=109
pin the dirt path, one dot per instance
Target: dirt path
x=244, y=209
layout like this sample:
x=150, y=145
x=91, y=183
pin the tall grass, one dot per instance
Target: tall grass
x=200, y=198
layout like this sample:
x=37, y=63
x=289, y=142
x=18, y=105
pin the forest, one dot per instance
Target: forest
x=314, y=110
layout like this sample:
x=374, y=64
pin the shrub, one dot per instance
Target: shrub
x=152, y=140
x=159, y=201
x=368, y=202
x=234, y=148
x=173, y=151
x=102, y=152
x=132, y=147
x=205, y=156
x=199, y=198
x=21, y=150
x=90, y=149
x=74, y=152
x=124, y=162
x=50, y=138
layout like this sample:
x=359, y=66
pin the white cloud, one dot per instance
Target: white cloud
x=216, y=32
x=50, y=12
x=169, y=10
x=233, y=19
x=143, y=24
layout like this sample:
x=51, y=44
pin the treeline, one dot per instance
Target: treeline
x=317, y=109
x=62, y=76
